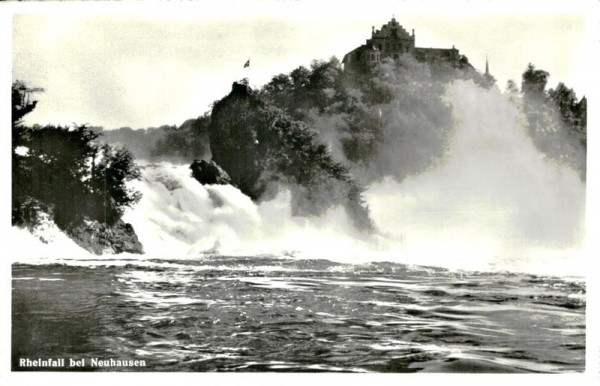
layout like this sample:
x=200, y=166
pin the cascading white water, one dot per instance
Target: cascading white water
x=179, y=217
x=493, y=203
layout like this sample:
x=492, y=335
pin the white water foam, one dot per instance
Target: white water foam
x=494, y=203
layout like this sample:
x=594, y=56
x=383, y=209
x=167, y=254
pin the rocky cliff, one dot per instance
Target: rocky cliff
x=263, y=149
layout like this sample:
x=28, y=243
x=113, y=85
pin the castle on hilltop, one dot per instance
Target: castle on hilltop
x=393, y=41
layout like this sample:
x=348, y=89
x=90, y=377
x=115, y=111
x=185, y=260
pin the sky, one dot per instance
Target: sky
x=145, y=67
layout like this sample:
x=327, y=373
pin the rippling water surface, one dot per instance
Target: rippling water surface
x=278, y=314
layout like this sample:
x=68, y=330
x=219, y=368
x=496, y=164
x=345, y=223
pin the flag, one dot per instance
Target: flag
x=247, y=64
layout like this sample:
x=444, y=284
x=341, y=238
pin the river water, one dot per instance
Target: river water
x=267, y=313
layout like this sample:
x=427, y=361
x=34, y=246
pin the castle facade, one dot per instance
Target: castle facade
x=392, y=41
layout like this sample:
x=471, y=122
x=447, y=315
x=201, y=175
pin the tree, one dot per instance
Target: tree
x=556, y=119
x=21, y=98
x=571, y=110
x=108, y=183
x=66, y=172
x=511, y=87
x=185, y=143
x=534, y=82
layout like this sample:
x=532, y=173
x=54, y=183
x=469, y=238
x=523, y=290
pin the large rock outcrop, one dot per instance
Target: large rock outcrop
x=262, y=149
x=208, y=172
x=101, y=238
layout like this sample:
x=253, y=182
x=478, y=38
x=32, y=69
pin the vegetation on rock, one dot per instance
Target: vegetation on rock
x=262, y=148
x=391, y=121
x=66, y=172
x=557, y=119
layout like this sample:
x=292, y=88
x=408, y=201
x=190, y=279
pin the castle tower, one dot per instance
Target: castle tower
x=391, y=40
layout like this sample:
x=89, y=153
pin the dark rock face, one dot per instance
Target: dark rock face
x=100, y=238
x=209, y=173
x=262, y=148
x=234, y=129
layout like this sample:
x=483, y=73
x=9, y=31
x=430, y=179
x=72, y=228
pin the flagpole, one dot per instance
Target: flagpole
x=247, y=71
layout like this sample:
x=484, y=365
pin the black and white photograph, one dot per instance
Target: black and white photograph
x=299, y=187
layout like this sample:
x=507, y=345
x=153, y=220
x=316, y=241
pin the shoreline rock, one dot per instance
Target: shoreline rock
x=100, y=239
x=208, y=172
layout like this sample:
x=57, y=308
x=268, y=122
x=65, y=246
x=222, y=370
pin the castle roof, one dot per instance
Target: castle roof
x=361, y=49
x=391, y=29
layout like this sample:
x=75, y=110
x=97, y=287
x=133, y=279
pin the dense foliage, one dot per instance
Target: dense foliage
x=390, y=121
x=301, y=128
x=261, y=148
x=557, y=118
x=187, y=142
x=181, y=144
x=397, y=110
x=138, y=141
x=66, y=172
